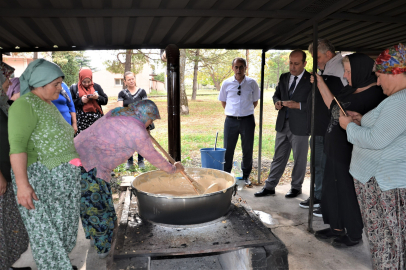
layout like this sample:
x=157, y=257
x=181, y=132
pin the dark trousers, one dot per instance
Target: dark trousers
x=140, y=159
x=232, y=129
x=339, y=201
x=319, y=164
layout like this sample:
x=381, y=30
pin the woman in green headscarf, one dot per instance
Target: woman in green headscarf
x=41, y=154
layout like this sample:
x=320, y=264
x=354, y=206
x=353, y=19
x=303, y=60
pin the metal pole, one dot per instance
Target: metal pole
x=261, y=113
x=174, y=145
x=312, y=141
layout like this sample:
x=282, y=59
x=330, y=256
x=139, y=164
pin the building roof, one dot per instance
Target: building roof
x=45, y=25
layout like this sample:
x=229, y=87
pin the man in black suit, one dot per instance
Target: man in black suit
x=290, y=99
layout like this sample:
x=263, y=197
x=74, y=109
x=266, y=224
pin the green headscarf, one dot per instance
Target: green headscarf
x=39, y=73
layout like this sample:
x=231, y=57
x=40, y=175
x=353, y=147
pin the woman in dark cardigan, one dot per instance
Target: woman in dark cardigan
x=339, y=202
x=88, y=98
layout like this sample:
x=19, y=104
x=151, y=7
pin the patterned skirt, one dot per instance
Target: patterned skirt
x=384, y=215
x=97, y=210
x=85, y=120
x=53, y=225
x=13, y=235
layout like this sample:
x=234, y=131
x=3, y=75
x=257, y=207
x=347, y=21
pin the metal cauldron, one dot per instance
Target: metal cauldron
x=184, y=210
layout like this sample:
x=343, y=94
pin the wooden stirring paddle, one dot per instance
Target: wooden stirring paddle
x=196, y=186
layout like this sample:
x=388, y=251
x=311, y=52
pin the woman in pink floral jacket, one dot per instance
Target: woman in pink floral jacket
x=102, y=147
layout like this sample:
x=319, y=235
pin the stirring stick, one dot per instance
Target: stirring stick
x=340, y=106
x=190, y=179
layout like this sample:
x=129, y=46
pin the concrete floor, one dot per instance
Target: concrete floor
x=287, y=220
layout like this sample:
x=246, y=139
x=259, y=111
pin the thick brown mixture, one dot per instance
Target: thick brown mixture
x=177, y=185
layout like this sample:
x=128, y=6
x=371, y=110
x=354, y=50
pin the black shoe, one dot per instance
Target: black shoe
x=264, y=192
x=74, y=267
x=345, y=240
x=292, y=193
x=306, y=203
x=328, y=233
x=317, y=212
x=129, y=165
x=141, y=164
x=21, y=268
x=113, y=173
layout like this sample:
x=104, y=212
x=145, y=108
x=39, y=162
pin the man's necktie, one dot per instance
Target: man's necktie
x=292, y=87
x=290, y=92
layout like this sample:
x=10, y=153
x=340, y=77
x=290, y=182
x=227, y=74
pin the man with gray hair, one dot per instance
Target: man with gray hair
x=239, y=96
x=331, y=68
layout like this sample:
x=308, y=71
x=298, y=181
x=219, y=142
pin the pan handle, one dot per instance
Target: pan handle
x=235, y=189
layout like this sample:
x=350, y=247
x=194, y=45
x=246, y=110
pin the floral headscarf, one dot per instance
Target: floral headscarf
x=392, y=60
x=142, y=110
x=5, y=73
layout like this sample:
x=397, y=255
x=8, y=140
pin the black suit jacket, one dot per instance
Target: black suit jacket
x=297, y=118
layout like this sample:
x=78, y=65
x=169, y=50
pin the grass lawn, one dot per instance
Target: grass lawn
x=199, y=128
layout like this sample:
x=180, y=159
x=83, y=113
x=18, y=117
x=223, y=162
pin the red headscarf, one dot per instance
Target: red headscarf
x=91, y=105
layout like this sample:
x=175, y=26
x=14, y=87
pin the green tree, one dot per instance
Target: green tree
x=217, y=64
x=276, y=64
x=68, y=62
x=160, y=77
x=138, y=59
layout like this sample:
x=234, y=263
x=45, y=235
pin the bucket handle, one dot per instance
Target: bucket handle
x=215, y=159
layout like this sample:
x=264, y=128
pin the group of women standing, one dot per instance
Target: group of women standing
x=55, y=179
x=364, y=185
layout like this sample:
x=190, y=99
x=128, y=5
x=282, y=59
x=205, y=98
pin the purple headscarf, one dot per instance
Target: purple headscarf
x=14, y=88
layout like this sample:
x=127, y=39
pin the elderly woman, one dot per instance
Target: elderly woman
x=88, y=98
x=378, y=162
x=13, y=235
x=41, y=149
x=104, y=154
x=339, y=202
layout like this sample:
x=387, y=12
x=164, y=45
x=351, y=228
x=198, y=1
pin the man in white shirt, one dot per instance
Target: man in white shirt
x=239, y=96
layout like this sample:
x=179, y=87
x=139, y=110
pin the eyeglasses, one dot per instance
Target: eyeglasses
x=239, y=90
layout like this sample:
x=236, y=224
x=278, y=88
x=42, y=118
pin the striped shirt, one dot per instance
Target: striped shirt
x=380, y=144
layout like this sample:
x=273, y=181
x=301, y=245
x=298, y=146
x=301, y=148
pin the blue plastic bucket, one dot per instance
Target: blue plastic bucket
x=213, y=159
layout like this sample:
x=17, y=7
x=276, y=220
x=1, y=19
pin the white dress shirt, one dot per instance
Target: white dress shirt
x=239, y=105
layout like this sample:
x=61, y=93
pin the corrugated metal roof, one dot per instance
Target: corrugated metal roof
x=44, y=25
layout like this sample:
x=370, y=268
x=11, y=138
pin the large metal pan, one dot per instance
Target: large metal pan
x=184, y=210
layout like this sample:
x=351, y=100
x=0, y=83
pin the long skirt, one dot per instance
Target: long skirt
x=53, y=225
x=384, y=215
x=13, y=235
x=339, y=204
x=97, y=210
x=85, y=120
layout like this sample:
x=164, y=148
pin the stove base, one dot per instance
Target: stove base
x=258, y=258
x=238, y=241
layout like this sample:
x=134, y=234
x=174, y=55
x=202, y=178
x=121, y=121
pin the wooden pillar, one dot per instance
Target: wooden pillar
x=312, y=141
x=174, y=143
x=261, y=113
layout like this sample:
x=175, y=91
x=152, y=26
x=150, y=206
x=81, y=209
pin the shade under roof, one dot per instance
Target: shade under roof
x=45, y=25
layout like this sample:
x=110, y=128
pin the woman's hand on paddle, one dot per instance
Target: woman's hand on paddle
x=25, y=194
x=320, y=81
x=344, y=120
x=179, y=167
x=356, y=117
